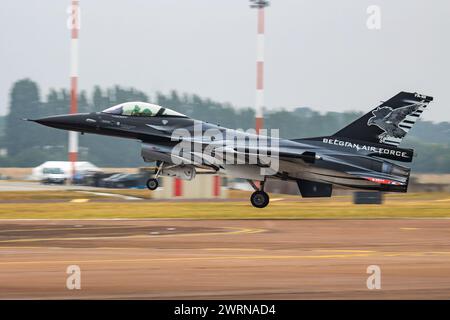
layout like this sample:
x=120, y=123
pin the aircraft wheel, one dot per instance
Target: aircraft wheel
x=152, y=184
x=259, y=199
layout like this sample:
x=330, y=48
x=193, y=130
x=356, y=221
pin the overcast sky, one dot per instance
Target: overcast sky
x=319, y=53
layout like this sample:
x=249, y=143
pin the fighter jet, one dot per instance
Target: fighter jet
x=363, y=155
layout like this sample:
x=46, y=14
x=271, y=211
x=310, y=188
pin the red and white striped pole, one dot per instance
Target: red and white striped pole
x=75, y=28
x=259, y=102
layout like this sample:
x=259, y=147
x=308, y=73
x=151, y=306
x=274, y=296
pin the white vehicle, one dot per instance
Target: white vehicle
x=53, y=175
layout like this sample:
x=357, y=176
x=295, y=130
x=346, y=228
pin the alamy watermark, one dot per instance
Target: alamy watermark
x=374, y=280
x=219, y=147
x=74, y=18
x=374, y=19
x=73, y=281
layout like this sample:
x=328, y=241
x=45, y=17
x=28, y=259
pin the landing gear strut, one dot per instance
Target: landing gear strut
x=259, y=198
x=152, y=183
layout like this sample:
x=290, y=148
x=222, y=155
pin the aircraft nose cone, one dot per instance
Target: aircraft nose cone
x=69, y=121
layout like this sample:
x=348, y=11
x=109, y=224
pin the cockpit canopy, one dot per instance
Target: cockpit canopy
x=141, y=109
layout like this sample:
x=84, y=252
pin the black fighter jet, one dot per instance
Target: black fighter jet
x=354, y=157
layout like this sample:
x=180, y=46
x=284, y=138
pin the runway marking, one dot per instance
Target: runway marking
x=79, y=200
x=439, y=252
x=399, y=254
x=24, y=247
x=225, y=257
x=276, y=219
x=344, y=250
x=233, y=249
x=116, y=195
x=215, y=258
x=71, y=228
x=176, y=259
x=88, y=219
x=234, y=232
x=409, y=229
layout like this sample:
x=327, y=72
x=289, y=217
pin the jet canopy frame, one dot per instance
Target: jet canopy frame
x=141, y=109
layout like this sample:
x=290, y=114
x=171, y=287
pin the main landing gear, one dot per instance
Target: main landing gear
x=259, y=198
x=152, y=183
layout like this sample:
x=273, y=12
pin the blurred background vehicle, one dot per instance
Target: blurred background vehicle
x=94, y=179
x=108, y=181
x=61, y=170
x=136, y=180
x=54, y=175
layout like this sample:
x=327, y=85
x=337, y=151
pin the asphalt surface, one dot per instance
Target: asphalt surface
x=251, y=259
x=6, y=185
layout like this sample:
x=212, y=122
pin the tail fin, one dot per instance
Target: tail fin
x=389, y=122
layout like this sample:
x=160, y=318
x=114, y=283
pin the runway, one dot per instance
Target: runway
x=225, y=259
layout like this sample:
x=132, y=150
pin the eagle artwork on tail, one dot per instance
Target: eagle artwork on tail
x=389, y=120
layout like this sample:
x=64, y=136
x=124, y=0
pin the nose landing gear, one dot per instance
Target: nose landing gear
x=259, y=198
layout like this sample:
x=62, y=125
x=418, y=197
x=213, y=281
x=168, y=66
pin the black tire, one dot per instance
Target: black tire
x=259, y=199
x=152, y=184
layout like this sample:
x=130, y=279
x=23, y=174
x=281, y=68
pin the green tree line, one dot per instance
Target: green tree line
x=29, y=144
